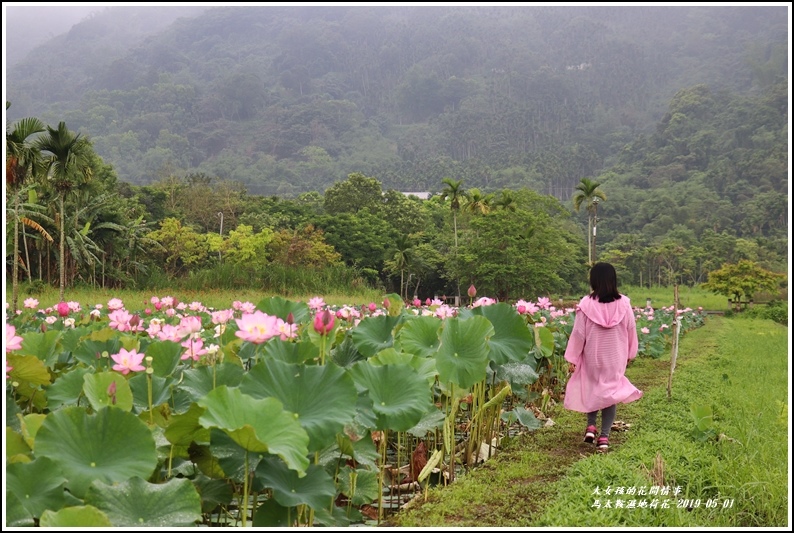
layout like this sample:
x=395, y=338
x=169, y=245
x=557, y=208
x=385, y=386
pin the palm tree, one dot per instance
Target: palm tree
x=67, y=157
x=478, y=202
x=455, y=192
x=401, y=260
x=23, y=161
x=588, y=193
x=506, y=201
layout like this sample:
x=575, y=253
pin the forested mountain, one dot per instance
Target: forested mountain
x=268, y=116
x=292, y=99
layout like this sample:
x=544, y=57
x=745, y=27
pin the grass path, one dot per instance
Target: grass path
x=736, y=368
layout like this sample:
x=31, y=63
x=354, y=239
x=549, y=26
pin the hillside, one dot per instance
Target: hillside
x=292, y=99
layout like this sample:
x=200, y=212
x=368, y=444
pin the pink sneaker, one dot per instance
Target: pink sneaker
x=589, y=434
x=603, y=444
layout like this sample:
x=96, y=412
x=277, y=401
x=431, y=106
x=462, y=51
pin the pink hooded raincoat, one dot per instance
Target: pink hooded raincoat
x=603, y=339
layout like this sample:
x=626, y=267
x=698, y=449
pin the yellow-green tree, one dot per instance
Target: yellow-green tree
x=742, y=280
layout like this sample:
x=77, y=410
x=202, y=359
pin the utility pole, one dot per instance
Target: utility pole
x=220, y=214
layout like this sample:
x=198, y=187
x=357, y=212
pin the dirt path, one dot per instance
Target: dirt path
x=520, y=479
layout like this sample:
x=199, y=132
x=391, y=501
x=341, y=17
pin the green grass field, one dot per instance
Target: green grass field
x=732, y=470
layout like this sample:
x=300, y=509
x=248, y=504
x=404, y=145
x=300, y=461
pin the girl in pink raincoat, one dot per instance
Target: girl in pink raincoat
x=603, y=339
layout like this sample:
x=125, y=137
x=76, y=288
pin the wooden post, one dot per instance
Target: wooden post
x=674, y=353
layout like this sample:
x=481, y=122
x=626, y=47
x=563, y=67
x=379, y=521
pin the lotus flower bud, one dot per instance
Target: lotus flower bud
x=417, y=302
x=472, y=291
x=372, y=307
x=386, y=303
x=324, y=322
x=63, y=309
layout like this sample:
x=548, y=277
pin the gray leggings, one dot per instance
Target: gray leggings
x=607, y=417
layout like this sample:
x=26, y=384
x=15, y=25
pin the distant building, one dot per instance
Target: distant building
x=420, y=195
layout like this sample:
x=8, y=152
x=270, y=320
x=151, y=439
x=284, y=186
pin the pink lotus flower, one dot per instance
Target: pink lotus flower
x=63, y=308
x=645, y=331
x=170, y=333
x=256, y=327
x=316, y=303
x=8, y=369
x=190, y=324
x=167, y=301
x=120, y=320
x=13, y=341
x=115, y=304
x=127, y=362
x=222, y=316
x=544, y=302
x=194, y=349
x=31, y=303
x=286, y=330
x=323, y=322
x=417, y=302
x=372, y=307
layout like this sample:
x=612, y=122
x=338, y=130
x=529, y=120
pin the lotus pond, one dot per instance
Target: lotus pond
x=280, y=413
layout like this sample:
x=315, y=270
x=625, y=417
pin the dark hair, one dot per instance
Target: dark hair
x=604, y=282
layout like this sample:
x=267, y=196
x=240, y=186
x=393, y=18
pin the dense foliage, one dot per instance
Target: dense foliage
x=504, y=113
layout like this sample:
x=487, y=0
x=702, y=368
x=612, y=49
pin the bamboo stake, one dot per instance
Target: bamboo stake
x=676, y=333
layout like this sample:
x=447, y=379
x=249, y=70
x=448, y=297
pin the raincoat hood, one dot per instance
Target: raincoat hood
x=606, y=315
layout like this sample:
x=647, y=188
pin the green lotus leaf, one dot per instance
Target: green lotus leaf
x=213, y=492
x=29, y=425
x=544, y=341
x=44, y=345
x=345, y=353
x=161, y=390
x=524, y=416
x=201, y=456
x=315, y=489
x=110, y=445
x=361, y=486
x=519, y=375
x=165, y=356
x=322, y=397
x=96, y=390
x=430, y=422
x=271, y=514
x=362, y=449
x=81, y=516
x=67, y=389
x=15, y=513
x=511, y=340
x=426, y=368
x=290, y=352
x=374, y=333
x=198, y=382
x=38, y=485
x=337, y=517
x=463, y=355
x=420, y=335
x=280, y=307
x=185, y=428
x=16, y=447
x=229, y=458
x=27, y=369
x=400, y=398
x=86, y=352
x=257, y=425
x=136, y=503
x=71, y=338
x=12, y=409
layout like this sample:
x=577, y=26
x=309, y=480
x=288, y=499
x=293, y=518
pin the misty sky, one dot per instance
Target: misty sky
x=27, y=26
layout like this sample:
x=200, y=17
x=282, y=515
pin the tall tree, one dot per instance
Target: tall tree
x=588, y=193
x=23, y=161
x=455, y=193
x=67, y=156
